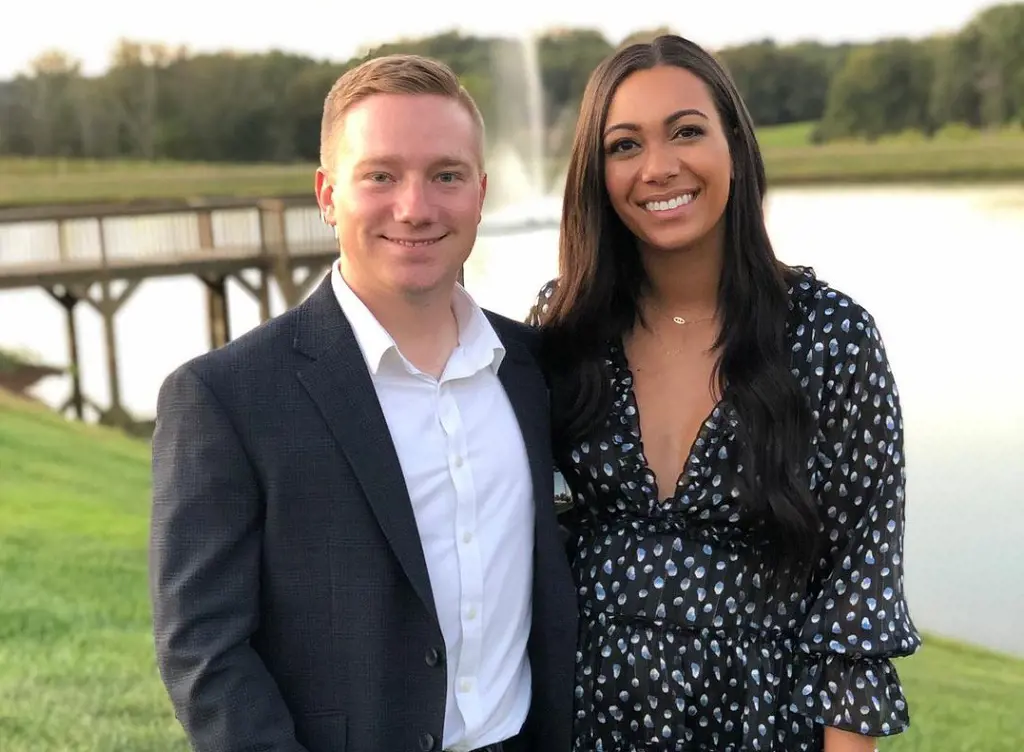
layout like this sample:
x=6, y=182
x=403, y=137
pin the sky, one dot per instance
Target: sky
x=338, y=29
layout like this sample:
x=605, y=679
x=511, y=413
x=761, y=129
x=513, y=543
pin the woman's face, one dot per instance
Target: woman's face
x=667, y=166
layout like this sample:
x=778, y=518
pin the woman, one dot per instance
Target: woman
x=731, y=436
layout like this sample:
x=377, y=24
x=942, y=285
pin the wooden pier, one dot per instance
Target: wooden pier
x=98, y=255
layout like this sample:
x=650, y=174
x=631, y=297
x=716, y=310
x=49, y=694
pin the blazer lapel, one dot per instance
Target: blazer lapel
x=527, y=392
x=339, y=383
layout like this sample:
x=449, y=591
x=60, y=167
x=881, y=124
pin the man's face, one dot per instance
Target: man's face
x=406, y=194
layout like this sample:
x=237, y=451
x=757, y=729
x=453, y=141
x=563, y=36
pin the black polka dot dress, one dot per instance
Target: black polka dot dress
x=687, y=640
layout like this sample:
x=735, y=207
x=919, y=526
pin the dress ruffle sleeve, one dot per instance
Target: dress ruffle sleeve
x=859, y=622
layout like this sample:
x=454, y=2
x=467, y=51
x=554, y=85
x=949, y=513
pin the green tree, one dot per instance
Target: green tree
x=1000, y=48
x=159, y=102
x=779, y=84
x=956, y=94
x=567, y=58
x=881, y=88
x=53, y=97
x=303, y=100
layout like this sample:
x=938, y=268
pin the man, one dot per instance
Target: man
x=354, y=543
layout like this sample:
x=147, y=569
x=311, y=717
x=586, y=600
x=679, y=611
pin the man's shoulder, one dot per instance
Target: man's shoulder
x=251, y=353
x=512, y=331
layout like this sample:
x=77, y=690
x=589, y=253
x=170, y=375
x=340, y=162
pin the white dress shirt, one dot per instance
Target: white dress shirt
x=468, y=476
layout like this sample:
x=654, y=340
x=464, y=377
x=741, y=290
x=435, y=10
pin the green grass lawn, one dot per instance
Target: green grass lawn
x=41, y=181
x=953, y=155
x=795, y=135
x=791, y=158
x=76, y=660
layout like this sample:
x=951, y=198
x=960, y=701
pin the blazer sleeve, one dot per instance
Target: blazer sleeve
x=205, y=535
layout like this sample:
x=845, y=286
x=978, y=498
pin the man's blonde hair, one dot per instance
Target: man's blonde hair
x=391, y=74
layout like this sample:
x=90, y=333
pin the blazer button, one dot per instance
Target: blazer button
x=427, y=742
x=434, y=657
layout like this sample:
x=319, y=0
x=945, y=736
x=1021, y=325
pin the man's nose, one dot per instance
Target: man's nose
x=413, y=204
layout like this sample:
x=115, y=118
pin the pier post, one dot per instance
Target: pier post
x=108, y=305
x=259, y=291
x=108, y=310
x=263, y=295
x=217, y=314
x=274, y=245
x=69, y=301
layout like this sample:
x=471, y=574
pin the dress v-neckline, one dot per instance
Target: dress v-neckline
x=692, y=456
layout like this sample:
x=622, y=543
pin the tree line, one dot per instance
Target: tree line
x=158, y=102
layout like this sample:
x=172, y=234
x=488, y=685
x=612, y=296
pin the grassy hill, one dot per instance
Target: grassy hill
x=78, y=673
x=790, y=157
x=76, y=660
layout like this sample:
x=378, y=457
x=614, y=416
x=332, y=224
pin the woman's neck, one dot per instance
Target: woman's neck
x=684, y=283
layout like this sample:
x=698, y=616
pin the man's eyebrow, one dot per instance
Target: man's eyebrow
x=447, y=161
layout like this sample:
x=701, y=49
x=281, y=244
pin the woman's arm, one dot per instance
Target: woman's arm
x=858, y=622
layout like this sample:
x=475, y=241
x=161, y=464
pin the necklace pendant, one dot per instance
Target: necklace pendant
x=679, y=319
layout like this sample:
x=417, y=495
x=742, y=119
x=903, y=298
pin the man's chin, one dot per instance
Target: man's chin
x=423, y=285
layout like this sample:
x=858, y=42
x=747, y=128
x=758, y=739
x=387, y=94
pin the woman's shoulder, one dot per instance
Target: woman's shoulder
x=835, y=344
x=539, y=309
x=825, y=313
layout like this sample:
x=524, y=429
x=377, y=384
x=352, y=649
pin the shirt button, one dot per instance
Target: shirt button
x=458, y=461
x=471, y=614
x=467, y=537
x=465, y=685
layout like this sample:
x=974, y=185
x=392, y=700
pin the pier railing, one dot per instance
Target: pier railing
x=99, y=254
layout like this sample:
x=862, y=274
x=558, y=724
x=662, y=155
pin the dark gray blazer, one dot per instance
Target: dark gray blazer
x=291, y=603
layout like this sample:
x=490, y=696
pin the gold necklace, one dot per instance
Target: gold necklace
x=678, y=321
x=681, y=320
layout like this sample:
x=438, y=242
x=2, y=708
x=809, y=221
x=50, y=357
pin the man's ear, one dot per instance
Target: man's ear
x=324, y=190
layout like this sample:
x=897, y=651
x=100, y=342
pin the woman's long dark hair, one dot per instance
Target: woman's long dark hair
x=602, y=279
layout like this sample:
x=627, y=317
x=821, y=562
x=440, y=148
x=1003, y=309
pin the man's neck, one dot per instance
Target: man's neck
x=424, y=327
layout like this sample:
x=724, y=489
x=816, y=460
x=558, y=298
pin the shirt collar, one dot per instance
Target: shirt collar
x=479, y=345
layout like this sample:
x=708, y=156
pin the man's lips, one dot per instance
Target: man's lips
x=415, y=242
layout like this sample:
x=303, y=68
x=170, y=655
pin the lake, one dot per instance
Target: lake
x=939, y=267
